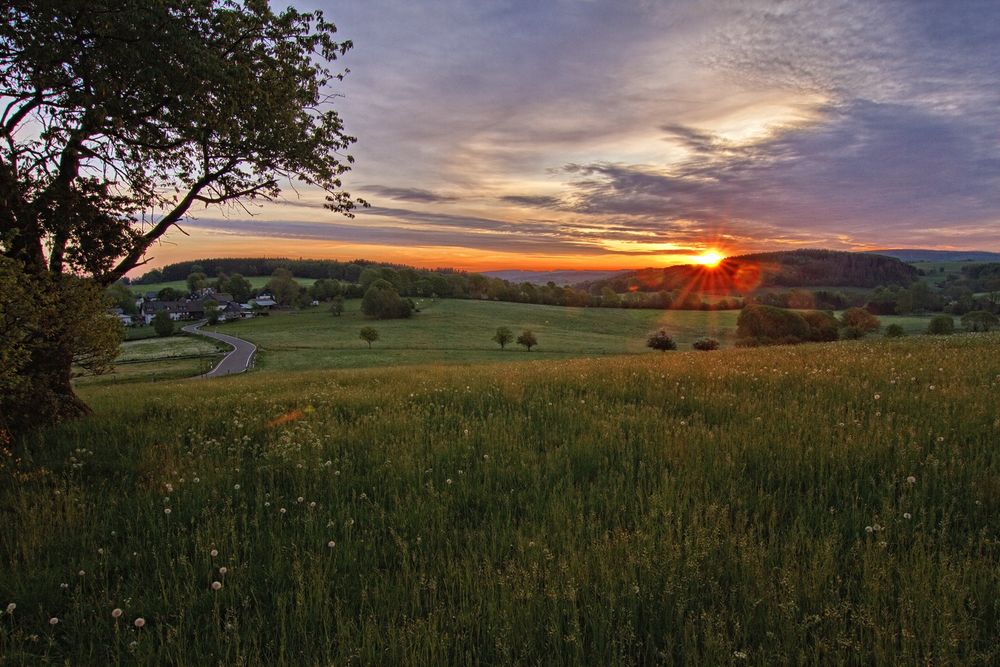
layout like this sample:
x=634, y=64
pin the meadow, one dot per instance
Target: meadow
x=816, y=504
x=256, y=282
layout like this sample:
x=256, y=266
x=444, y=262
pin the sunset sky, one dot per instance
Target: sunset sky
x=628, y=133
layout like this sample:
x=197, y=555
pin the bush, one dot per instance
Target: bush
x=769, y=325
x=337, y=306
x=162, y=324
x=661, y=341
x=941, y=325
x=980, y=320
x=894, y=331
x=853, y=333
x=822, y=326
x=860, y=320
x=705, y=344
x=382, y=302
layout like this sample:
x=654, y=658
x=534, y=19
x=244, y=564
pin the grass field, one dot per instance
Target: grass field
x=460, y=331
x=154, y=359
x=815, y=504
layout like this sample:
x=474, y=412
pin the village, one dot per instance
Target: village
x=204, y=303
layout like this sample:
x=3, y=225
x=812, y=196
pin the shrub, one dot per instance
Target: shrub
x=980, y=320
x=894, y=331
x=337, y=306
x=861, y=320
x=527, y=339
x=661, y=341
x=769, y=325
x=705, y=344
x=853, y=333
x=941, y=325
x=162, y=324
x=823, y=326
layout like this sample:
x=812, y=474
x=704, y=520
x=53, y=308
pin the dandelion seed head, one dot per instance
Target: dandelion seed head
x=116, y=613
x=223, y=570
x=139, y=622
x=53, y=621
x=331, y=544
x=11, y=606
x=907, y=516
x=216, y=585
x=911, y=480
x=213, y=553
x=166, y=510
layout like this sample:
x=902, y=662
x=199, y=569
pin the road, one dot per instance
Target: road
x=236, y=361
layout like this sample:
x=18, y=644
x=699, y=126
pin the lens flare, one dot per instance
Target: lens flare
x=709, y=258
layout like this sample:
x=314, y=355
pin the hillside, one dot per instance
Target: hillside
x=918, y=255
x=833, y=502
x=745, y=273
x=567, y=277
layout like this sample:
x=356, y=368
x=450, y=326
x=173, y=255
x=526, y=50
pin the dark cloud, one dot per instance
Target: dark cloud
x=409, y=194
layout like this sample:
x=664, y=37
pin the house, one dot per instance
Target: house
x=123, y=317
x=178, y=310
x=265, y=301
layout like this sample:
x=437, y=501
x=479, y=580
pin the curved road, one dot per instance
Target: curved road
x=236, y=361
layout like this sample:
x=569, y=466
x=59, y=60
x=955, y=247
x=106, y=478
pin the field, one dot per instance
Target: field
x=152, y=359
x=832, y=503
x=460, y=331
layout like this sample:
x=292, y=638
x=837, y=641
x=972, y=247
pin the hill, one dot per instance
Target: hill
x=918, y=255
x=820, y=504
x=745, y=273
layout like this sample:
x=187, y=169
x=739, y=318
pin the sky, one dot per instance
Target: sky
x=606, y=134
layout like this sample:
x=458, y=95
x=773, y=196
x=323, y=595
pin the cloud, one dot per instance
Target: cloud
x=409, y=194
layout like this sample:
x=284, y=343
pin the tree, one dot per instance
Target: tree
x=382, y=302
x=325, y=289
x=121, y=297
x=212, y=313
x=238, y=286
x=980, y=320
x=823, y=326
x=661, y=341
x=859, y=319
x=283, y=287
x=118, y=117
x=527, y=339
x=162, y=324
x=170, y=294
x=369, y=335
x=768, y=325
x=503, y=336
x=894, y=331
x=941, y=325
x=33, y=319
x=337, y=306
x=196, y=281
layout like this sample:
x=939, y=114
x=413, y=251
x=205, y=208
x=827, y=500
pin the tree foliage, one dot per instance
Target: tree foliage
x=382, y=302
x=941, y=325
x=369, y=335
x=527, y=339
x=980, y=320
x=502, y=337
x=661, y=341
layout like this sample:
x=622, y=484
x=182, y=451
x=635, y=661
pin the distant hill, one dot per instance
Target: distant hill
x=744, y=273
x=918, y=255
x=545, y=277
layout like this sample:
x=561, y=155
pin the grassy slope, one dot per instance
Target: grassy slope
x=681, y=507
x=459, y=331
x=256, y=282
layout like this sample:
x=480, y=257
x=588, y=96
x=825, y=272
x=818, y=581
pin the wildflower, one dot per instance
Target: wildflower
x=53, y=621
x=907, y=516
x=196, y=480
x=166, y=511
x=312, y=505
x=223, y=570
x=236, y=487
x=299, y=499
x=12, y=606
x=100, y=552
x=448, y=481
x=911, y=480
x=740, y=655
x=64, y=586
x=81, y=573
x=331, y=544
x=267, y=503
x=139, y=622
x=213, y=553
x=878, y=396
x=282, y=510
x=116, y=613
x=869, y=529
x=216, y=585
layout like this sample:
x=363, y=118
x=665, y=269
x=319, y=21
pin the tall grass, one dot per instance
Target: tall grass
x=822, y=504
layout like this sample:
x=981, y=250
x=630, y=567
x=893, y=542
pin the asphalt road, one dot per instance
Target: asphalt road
x=236, y=361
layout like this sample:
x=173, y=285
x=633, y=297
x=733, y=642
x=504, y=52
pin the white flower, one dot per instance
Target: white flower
x=911, y=480
x=139, y=622
x=166, y=511
x=907, y=515
x=236, y=487
x=213, y=553
x=223, y=570
x=299, y=499
x=196, y=480
x=448, y=481
x=331, y=544
x=312, y=504
x=116, y=613
x=11, y=607
x=877, y=396
x=53, y=621
x=869, y=529
x=216, y=585
x=81, y=573
x=64, y=586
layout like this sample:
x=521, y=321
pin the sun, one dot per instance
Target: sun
x=709, y=258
